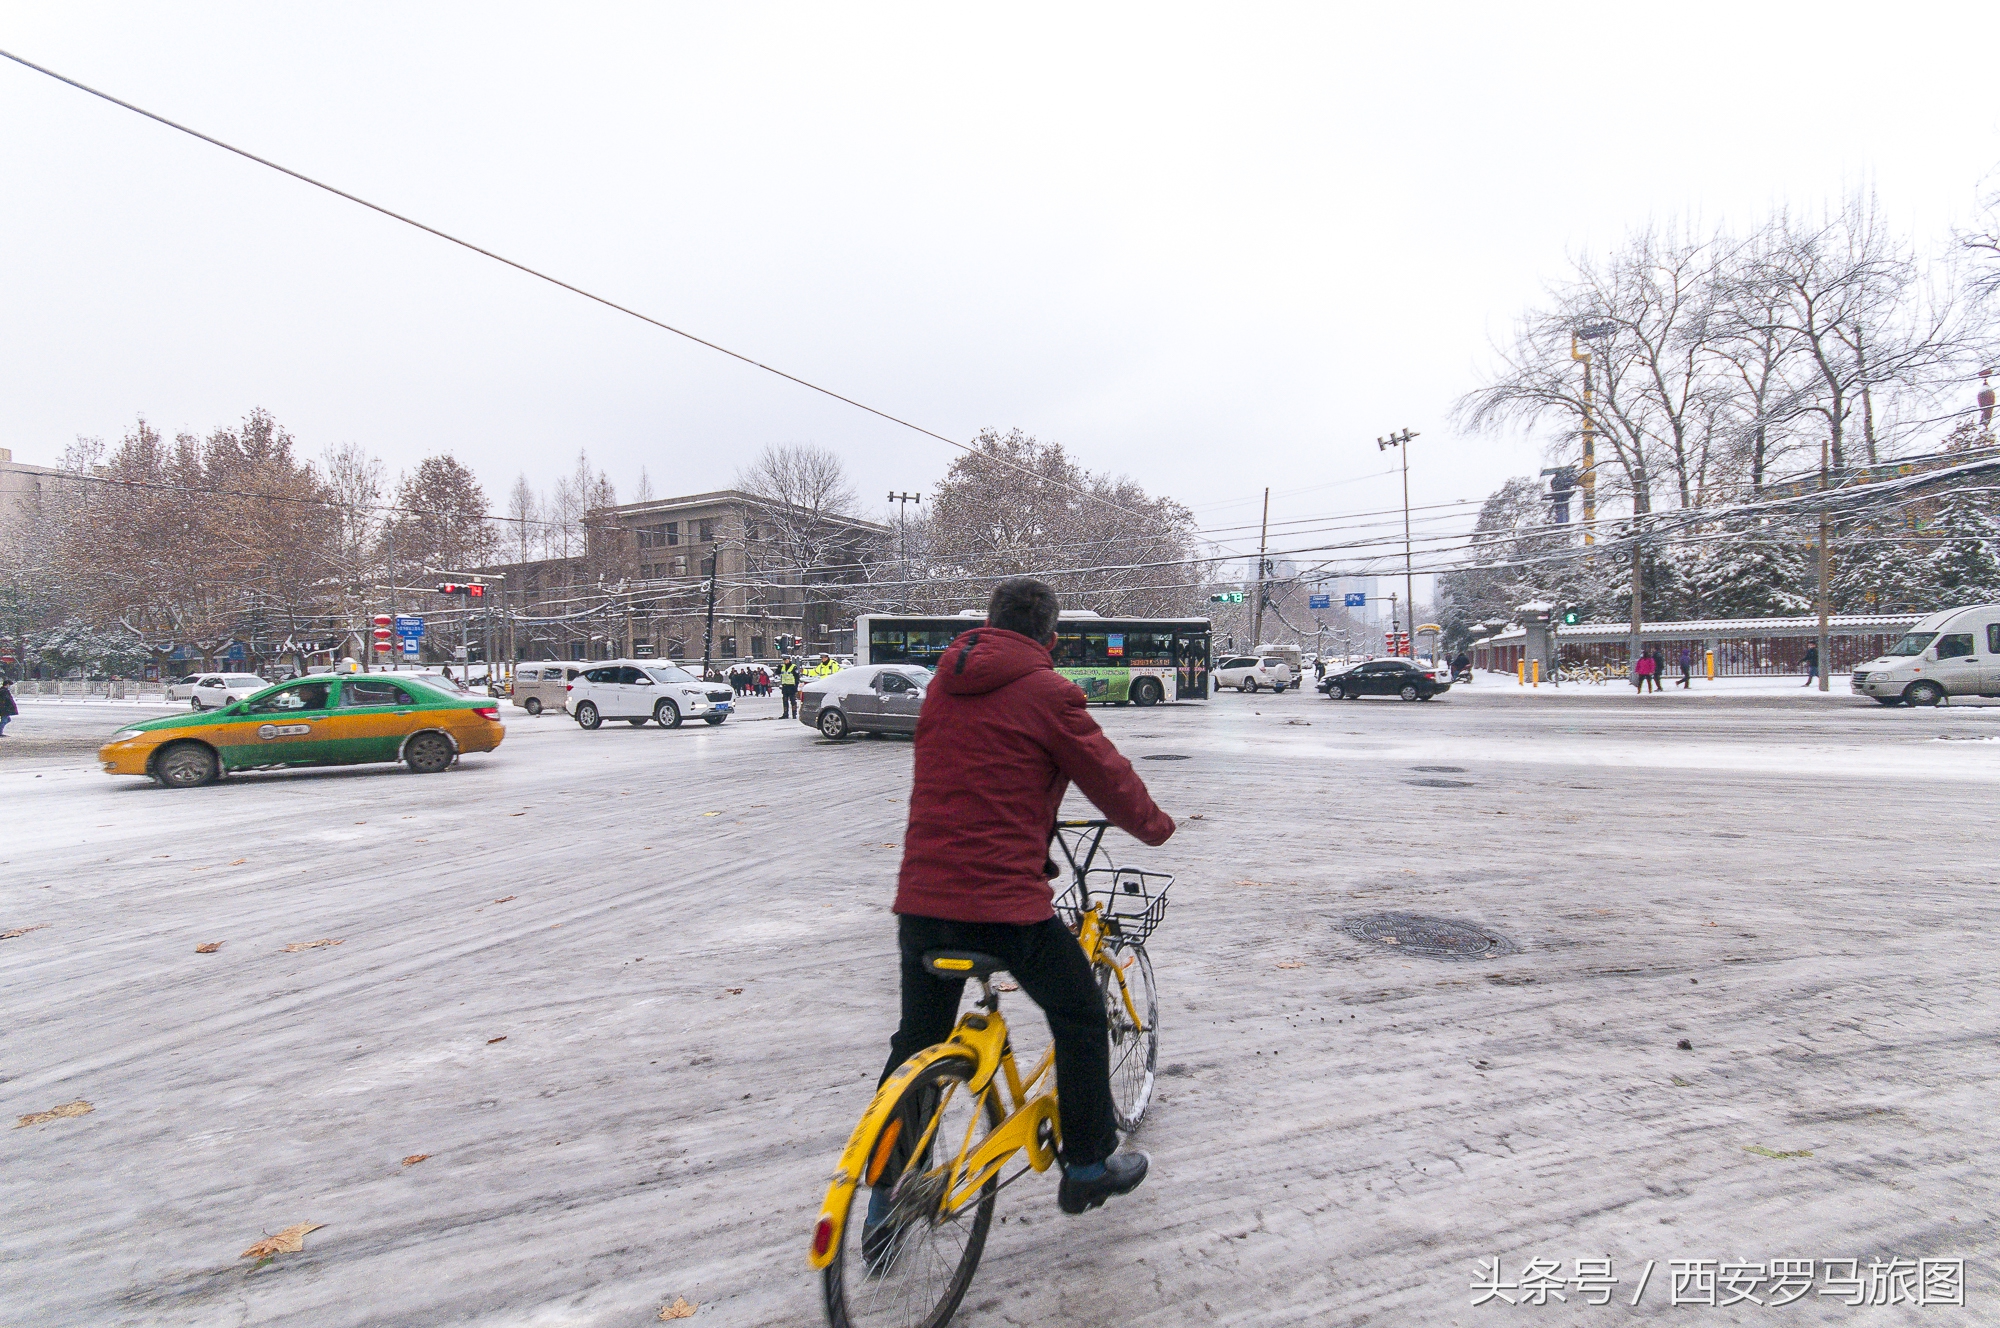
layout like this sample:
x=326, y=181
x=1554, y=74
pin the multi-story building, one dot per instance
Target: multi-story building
x=642, y=585
x=22, y=488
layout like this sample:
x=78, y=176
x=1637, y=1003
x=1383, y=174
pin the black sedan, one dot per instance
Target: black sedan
x=1387, y=677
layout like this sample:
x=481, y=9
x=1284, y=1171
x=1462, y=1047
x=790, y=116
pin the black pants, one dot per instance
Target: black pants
x=1051, y=968
x=791, y=691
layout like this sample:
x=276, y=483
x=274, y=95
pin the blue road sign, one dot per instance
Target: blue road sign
x=1357, y=601
x=409, y=626
x=1319, y=601
x=235, y=651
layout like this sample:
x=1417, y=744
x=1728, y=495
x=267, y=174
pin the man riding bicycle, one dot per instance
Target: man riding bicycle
x=1000, y=738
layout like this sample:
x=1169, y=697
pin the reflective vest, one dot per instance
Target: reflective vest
x=788, y=674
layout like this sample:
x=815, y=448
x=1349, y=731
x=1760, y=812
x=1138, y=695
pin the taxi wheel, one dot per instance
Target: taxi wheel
x=667, y=715
x=428, y=753
x=534, y=706
x=587, y=716
x=186, y=765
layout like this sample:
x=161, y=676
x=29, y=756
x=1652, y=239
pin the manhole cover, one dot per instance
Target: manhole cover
x=1440, y=783
x=1434, y=938
x=1441, y=769
x=1163, y=756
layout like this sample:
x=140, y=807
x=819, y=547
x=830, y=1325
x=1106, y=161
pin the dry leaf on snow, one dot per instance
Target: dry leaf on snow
x=1290, y=963
x=63, y=1112
x=491, y=1041
x=22, y=931
x=503, y=899
x=681, y=1308
x=208, y=947
x=292, y=1240
x=297, y=946
x=239, y=862
x=414, y=1158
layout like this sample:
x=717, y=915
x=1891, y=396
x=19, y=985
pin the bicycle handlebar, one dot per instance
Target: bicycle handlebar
x=1082, y=825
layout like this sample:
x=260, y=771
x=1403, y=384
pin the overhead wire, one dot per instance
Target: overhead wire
x=539, y=275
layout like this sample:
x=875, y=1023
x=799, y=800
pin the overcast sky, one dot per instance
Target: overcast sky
x=1214, y=248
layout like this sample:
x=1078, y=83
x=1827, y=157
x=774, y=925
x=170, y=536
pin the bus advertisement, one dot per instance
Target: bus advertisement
x=1114, y=660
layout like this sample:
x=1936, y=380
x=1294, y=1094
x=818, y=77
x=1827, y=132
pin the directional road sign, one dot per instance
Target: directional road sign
x=1319, y=601
x=1357, y=601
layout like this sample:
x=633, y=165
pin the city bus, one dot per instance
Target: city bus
x=1141, y=660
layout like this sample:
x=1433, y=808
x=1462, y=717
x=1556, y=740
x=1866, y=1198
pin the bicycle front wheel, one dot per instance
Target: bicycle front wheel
x=914, y=1269
x=1135, y=1045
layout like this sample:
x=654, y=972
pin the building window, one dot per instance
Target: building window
x=756, y=647
x=708, y=532
x=673, y=532
x=653, y=537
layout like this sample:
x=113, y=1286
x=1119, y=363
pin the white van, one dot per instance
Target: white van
x=539, y=687
x=1954, y=653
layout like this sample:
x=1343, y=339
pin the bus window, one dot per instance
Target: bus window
x=1149, y=649
x=1079, y=650
x=909, y=645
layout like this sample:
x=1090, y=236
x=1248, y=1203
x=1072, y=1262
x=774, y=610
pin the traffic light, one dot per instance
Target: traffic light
x=471, y=590
x=1227, y=597
x=1571, y=617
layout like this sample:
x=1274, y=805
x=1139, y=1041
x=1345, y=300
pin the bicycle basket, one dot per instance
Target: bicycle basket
x=1131, y=902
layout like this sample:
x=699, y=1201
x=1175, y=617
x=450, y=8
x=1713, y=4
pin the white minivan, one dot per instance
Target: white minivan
x=1954, y=653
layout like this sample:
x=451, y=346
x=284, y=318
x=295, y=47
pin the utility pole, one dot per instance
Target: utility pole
x=903, y=501
x=1632, y=651
x=1825, y=664
x=1263, y=543
x=1402, y=440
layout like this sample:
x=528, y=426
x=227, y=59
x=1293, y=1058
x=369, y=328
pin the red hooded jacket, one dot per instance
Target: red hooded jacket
x=1000, y=737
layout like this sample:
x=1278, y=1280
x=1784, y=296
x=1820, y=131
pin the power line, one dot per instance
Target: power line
x=553, y=281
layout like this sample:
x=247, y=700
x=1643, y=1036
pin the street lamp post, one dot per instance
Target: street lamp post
x=1402, y=441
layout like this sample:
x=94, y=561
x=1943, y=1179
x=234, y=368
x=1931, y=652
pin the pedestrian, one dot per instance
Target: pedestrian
x=1687, y=670
x=1319, y=669
x=7, y=707
x=763, y=681
x=1641, y=668
x=1461, y=667
x=1812, y=665
x=788, y=685
x=1001, y=738
x=1659, y=667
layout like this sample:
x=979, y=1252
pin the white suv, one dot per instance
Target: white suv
x=1247, y=673
x=636, y=690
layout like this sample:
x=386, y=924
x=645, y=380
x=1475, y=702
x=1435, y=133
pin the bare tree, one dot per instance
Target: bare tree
x=524, y=515
x=809, y=526
x=1861, y=320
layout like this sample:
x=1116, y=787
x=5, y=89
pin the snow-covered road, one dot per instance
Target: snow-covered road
x=625, y=992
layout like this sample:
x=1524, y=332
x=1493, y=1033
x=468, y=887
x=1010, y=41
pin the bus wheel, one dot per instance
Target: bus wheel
x=1146, y=692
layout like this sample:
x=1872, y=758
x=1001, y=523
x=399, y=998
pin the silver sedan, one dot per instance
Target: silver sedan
x=875, y=698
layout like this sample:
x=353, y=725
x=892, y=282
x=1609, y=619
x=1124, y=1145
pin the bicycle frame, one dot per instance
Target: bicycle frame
x=980, y=1037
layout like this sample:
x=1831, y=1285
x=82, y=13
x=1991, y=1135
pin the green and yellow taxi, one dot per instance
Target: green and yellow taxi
x=344, y=719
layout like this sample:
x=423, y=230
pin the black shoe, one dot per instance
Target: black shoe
x=878, y=1247
x=1122, y=1174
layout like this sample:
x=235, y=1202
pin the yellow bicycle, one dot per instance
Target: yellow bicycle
x=946, y=1123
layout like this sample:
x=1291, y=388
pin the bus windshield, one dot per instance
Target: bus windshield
x=1913, y=643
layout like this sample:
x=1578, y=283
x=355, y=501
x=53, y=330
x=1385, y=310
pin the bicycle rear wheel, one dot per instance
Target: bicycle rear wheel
x=919, y=1273
x=1135, y=1048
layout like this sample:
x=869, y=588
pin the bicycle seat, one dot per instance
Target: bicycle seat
x=962, y=964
